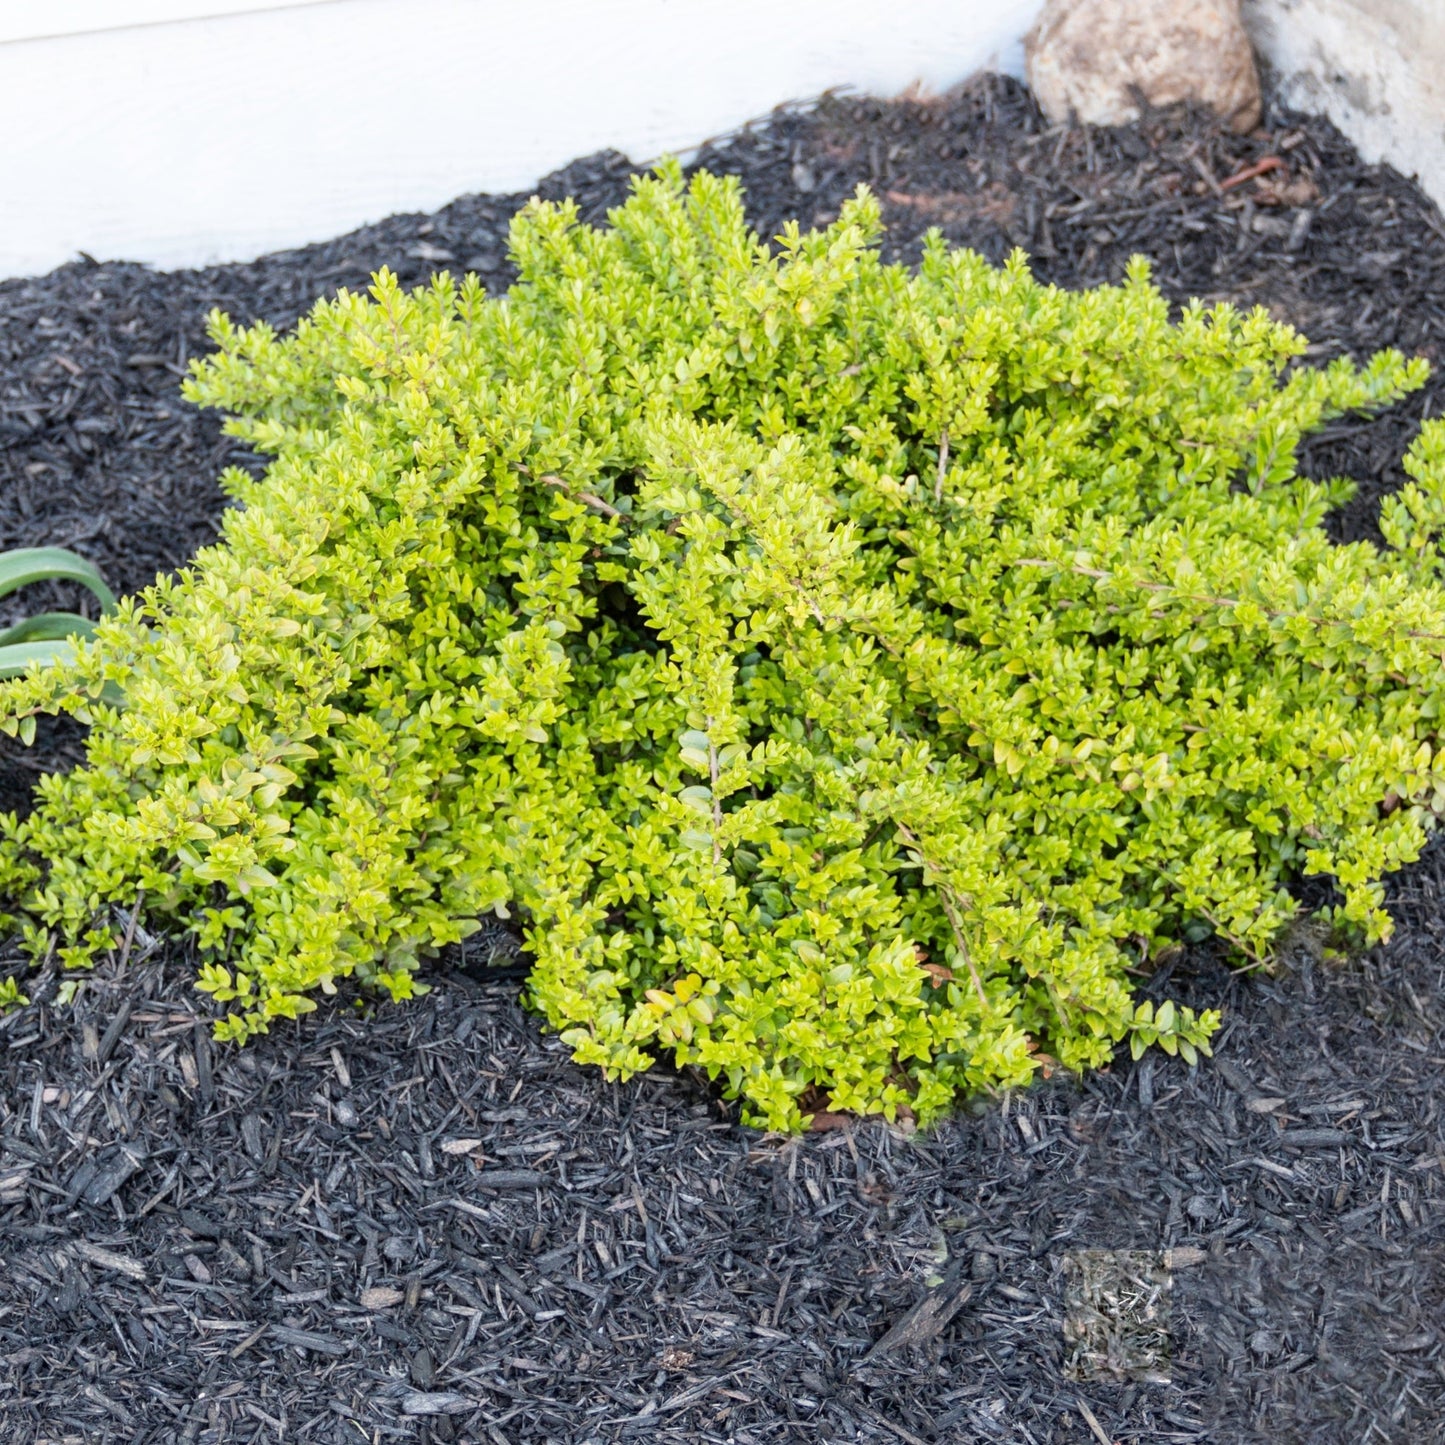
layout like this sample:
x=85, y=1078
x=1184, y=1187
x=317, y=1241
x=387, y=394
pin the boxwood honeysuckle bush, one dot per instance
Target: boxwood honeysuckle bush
x=851, y=678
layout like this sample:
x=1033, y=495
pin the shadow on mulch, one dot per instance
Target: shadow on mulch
x=424, y=1223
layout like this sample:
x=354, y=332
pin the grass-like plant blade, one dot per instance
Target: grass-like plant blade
x=15, y=659
x=51, y=564
x=47, y=627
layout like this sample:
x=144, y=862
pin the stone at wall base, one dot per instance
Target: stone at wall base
x=1091, y=60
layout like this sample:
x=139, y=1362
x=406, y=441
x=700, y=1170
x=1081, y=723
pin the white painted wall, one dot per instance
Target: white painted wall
x=1375, y=67
x=185, y=131
x=42, y=19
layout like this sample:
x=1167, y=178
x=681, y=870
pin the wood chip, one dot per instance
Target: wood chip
x=309, y=1340
x=421, y=1402
x=108, y=1259
x=381, y=1297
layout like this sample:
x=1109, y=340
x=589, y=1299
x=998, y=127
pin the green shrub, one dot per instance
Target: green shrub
x=850, y=678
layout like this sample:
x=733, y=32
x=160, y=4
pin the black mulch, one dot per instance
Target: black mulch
x=424, y=1223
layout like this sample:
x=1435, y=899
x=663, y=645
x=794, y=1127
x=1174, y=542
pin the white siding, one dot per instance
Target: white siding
x=182, y=140
x=41, y=19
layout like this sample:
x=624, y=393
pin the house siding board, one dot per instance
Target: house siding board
x=223, y=136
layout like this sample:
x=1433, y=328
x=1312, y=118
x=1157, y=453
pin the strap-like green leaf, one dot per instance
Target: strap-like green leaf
x=15, y=660
x=46, y=564
x=47, y=627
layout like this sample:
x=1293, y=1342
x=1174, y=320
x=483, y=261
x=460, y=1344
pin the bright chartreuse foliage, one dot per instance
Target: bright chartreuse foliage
x=848, y=676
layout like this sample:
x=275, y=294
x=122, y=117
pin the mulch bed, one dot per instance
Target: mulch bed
x=424, y=1223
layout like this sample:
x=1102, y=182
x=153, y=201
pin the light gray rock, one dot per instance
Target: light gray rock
x=1087, y=58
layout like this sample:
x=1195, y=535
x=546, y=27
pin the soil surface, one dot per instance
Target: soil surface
x=423, y=1223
